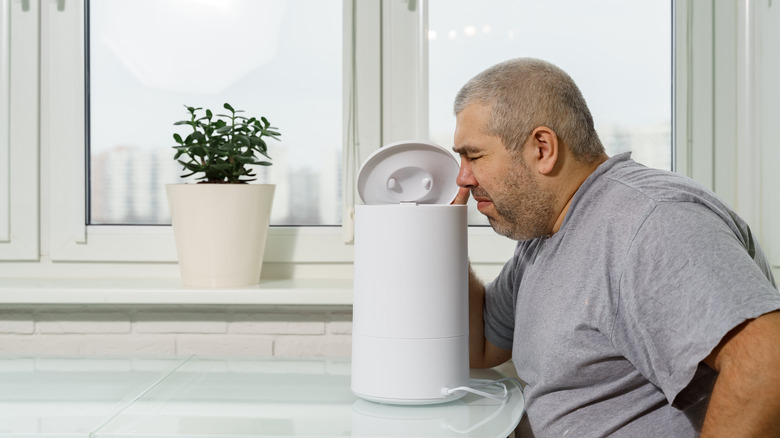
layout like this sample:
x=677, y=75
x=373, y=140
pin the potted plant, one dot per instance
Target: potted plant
x=220, y=223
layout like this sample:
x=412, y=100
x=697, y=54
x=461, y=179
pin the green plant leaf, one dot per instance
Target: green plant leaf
x=221, y=147
x=191, y=166
x=242, y=140
x=217, y=154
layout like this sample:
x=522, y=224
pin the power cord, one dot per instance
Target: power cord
x=477, y=385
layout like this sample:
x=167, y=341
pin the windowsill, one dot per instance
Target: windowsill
x=170, y=291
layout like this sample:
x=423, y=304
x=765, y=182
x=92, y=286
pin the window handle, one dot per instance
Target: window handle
x=25, y=5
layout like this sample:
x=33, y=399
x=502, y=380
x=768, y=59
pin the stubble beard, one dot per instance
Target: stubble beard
x=523, y=209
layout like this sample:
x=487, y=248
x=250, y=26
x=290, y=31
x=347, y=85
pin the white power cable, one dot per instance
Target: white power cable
x=478, y=384
x=481, y=383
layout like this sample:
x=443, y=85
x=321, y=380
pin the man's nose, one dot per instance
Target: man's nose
x=465, y=176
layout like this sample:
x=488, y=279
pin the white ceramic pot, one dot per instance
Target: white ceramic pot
x=220, y=231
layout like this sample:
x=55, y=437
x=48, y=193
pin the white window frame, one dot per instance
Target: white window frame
x=19, y=130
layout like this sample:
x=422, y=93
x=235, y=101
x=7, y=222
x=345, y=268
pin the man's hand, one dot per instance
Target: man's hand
x=482, y=353
x=745, y=401
x=463, y=196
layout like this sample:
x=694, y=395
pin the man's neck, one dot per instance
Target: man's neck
x=575, y=178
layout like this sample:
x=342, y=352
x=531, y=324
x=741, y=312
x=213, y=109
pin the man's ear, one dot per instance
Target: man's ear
x=545, y=148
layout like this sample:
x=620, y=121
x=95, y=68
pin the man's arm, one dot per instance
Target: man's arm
x=482, y=353
x=745, y=401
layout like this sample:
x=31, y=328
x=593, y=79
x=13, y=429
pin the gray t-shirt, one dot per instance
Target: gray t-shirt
x=609, y=319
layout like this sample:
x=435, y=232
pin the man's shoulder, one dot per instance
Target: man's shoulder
x=621, y=199
x=655, y=184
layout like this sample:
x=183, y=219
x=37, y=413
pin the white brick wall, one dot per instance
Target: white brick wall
x=175, y=331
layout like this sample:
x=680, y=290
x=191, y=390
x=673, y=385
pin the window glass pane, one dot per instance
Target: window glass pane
x=619, y=53
x=281, y=59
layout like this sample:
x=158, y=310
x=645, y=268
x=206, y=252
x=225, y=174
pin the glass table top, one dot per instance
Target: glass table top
x=209, y=397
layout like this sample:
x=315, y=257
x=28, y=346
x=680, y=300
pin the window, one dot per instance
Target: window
x=398, y=74
x=78, y=232
x=274, y=58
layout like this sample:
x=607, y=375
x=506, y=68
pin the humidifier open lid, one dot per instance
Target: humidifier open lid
x=408, y=171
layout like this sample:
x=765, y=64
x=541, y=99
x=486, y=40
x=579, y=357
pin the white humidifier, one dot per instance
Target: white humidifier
x=410, y=308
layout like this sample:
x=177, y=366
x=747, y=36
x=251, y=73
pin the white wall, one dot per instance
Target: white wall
x=143, y=331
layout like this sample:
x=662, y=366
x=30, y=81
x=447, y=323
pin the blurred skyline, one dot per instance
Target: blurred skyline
x=128, y=183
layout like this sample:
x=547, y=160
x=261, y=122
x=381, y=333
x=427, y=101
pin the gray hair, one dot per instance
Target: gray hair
x=526, y=93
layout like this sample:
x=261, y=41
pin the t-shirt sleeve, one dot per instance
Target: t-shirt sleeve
x=499, y=312
x=687, y=281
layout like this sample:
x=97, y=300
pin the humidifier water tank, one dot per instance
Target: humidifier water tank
x=410, y=306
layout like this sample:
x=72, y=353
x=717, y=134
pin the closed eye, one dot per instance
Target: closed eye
x=470, y=153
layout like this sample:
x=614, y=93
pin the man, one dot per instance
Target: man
x=637, y=304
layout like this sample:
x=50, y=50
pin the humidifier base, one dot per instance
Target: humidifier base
x=409, y=371
x=412, y=401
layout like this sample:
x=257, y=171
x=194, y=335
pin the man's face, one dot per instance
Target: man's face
x=506, y=189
